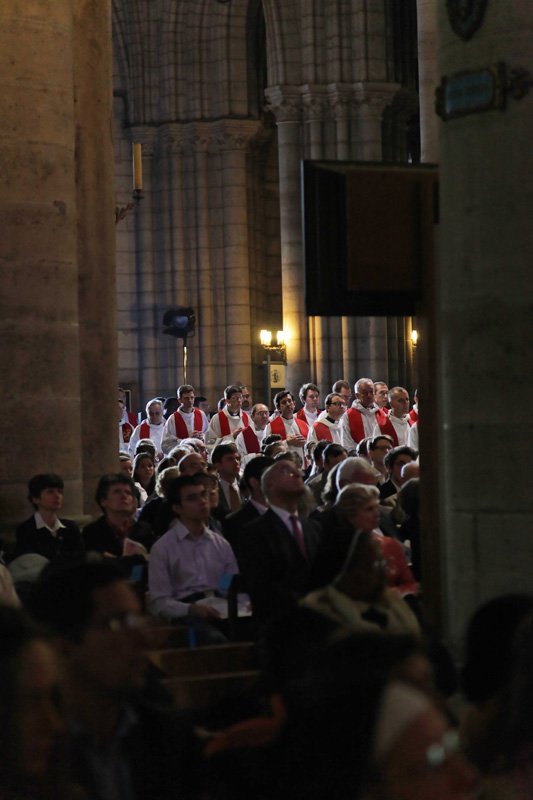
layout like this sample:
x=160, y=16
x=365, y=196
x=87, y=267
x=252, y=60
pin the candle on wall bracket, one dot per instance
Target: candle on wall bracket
x=121, y=211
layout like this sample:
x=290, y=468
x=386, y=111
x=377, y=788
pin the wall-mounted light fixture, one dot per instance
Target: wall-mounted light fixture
x=279, y=348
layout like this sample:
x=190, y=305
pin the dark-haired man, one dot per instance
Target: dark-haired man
x=44, y=532
x=117, y=533
x=234, y=525
x=227, y=461
x=328, y=425
x=187, y=563
x=309, y=395
x=185, y=422
x=292, y=430
x=226, y=425
x=119, y=746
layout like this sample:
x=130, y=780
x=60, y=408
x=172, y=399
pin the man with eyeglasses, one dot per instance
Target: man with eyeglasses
x=360, y=419
x=120, y=745
x=327, y=426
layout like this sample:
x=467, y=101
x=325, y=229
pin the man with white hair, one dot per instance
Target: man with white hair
x=396, y=422
x=187, y=421
x=355, y=470
x=249, y=440
x=151, y=428
x=359, y=421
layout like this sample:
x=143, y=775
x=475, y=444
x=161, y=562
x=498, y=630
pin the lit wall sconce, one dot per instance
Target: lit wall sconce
x=280, y=343
x=276, y=353
x=414, y=337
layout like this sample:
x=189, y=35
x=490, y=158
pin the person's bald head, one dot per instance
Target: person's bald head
x=191, y=464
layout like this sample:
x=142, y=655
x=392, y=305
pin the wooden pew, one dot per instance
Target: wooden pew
x=211, y=660
x=200, y=692
x=163, y=637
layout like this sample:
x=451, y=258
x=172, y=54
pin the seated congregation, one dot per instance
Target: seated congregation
x=293, y=532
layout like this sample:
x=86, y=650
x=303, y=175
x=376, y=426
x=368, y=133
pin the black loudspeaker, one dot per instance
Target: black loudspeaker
x=179, y=322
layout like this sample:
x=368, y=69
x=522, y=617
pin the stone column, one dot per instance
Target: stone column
x=285, y=102
x=486, y=326
x=96, y=241
x=232, y=138
x=39, y=343
x=428, y=79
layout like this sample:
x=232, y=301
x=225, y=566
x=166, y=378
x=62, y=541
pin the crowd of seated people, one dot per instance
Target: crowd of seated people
x=325, y=537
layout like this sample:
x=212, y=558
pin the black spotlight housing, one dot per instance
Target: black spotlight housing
x=179, y=322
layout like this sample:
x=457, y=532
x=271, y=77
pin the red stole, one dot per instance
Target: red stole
x=250, y=440
x=413, y=416
x=182, y=431
x=386, y=427
x=144, y=432
x=278, y=426
x=132, y=418
x=355, y=421
x=224, y=423
x=322, y=431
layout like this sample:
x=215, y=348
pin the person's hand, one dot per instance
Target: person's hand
x=204, y=612
x=236, y=432
x=297, y=440
x=197, y=435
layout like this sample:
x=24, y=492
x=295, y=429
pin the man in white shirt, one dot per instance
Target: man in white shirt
x=291, y=429
x=249, y=439
x=226, y=425
x=396, y=421
x=309, y=395
x=328, y=424
x=151, y=428
x=359, y=421
x=187, y=563
x=187, y=421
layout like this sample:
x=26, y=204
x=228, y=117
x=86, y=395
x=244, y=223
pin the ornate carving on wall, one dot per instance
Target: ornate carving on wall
x=466, y=16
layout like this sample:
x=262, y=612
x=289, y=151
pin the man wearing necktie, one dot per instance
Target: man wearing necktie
x=279, y=550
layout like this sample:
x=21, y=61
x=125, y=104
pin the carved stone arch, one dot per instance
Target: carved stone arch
x=282, y=21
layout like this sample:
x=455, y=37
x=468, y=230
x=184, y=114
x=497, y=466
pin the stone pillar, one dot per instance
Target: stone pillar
x=96, y=241
x=285, y=102
x=39, y=343
x=232, y=138
x=428, y=79
x=486, y=326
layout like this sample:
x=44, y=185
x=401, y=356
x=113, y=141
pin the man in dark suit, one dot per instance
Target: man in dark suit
x=44, y=533
x=227, y=461
x=278, y=551
x=235, y=525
